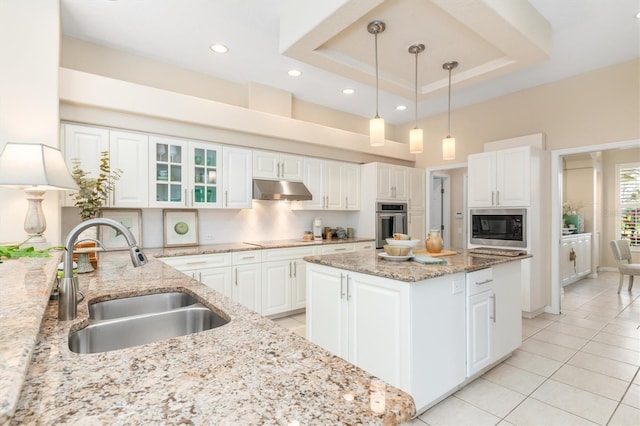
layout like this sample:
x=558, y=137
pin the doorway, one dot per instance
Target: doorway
x=447, y=197
x=440, y=206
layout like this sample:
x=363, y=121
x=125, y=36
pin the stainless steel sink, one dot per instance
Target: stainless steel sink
x=138, y=305
x=133, y=321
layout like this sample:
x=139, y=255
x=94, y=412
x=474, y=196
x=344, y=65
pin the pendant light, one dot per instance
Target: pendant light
x=415, y=135
x=449, y=143
x=376, y=125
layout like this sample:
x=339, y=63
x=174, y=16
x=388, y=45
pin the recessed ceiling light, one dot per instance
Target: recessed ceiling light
x=219, y=48
x=638, y=15
x=295, y=73
x=401, y=107
x=348, y=91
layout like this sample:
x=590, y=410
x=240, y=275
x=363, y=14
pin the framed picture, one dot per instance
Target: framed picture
x=180, y=228
x=113, y=239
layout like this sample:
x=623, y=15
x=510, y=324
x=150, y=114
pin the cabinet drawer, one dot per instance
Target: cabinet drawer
x=247, y=257
x=270, y=255
x=201, y=261
x=479, y=281
x=337, y=248
x=369, y=245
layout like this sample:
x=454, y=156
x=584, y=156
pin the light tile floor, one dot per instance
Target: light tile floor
x=577, y=368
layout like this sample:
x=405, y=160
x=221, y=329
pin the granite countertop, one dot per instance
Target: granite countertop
x=248, y=371
x=410, y=271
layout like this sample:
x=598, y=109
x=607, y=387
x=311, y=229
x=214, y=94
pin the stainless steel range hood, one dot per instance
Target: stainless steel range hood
x=280, y=190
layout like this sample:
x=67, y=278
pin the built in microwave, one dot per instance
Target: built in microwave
x=498, y=227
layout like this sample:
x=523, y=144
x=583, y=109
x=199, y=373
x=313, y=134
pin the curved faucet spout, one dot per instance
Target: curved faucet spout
x=68, y=284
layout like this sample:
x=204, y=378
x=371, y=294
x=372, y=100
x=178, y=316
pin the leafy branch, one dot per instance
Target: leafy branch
x=94, y=192
x=14, y=251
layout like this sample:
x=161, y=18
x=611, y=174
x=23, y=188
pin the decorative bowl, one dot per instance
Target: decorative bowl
x=397, y=250
x=402, y=243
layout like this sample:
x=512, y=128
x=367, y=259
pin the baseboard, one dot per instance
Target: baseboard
x=607, y=269
x=533, y=314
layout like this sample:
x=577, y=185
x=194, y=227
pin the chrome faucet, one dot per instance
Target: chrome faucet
x=68, y=284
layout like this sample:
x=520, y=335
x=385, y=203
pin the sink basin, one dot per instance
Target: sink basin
x=138, y=305
x=126, y=332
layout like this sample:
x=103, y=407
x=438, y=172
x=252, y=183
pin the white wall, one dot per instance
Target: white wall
x=30, y=46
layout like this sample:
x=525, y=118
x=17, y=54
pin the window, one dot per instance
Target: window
x=628, y=184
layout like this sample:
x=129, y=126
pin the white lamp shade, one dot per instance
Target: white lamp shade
x=449, y=148
x=376, y=131
x=25, y=164
x=415, y=141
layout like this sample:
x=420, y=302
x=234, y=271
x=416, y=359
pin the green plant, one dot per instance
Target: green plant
x=93, y=192
x=14, y=251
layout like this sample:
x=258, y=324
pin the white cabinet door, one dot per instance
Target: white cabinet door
x=299, y=284
x=399, y=179
x=333, y=190
x=168, y=172
x=129, y=152
x=385, y=182
x=583, y=255
x=327, y=310
x=375, y=340
x=204, y=175
x=266, y=165
x=85, y=144
x=481, y=179
x=237, y=180
x=416, y=225
x=567, y=246
x=479, y=332
x=276, y=287
x=513, y=177
x=351, y=185
x=416, y=189
x=247, y=286
x=291, y=167
x=218, y=279
x=507, y=321
x=313, y=179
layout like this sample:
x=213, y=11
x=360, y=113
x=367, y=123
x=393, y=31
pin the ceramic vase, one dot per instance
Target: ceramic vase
x=434, y=241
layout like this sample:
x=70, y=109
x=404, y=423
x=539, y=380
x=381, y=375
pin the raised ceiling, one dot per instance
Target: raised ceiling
x=502, y=46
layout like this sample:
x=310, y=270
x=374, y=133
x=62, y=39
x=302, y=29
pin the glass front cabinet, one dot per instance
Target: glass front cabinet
x=183, y=173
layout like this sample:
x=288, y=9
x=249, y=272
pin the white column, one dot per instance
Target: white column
x=29, y=62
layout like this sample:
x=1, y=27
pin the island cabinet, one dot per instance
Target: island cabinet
x=494, y=319
x=411, y=335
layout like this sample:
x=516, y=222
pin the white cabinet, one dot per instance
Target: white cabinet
x=204, y=161
x=334, y=185
x=276, y=165
x=575, y=257
x=416, y=179
x=212, y=270
x=129, y=152
x=391, y=182
x=284, y=279
x=237, y=180
x=247, y=279
x=84, y=144
x=365, y=245
x=168, y=180
x=494, y=318
x=418, y=344
x=500, y=178
x=336, y=248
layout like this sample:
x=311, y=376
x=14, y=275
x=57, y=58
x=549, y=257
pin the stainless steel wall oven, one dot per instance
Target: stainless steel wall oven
x=498, y=227
x=390, y=218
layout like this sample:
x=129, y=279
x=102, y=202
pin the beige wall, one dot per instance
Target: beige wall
x=593, y=108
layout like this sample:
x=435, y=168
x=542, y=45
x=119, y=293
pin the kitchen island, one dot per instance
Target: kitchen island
x=249, y=371
x=427, y=329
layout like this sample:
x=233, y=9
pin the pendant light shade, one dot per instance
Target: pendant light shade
x=415, y=135
x=449, y=143
x=376, y=125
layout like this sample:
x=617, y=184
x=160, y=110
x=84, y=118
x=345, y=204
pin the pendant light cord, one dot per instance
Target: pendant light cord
x=449, y=120
x=416, y=91
x=377, y=89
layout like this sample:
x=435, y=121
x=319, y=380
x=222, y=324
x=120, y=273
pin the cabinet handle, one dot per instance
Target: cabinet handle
x=295, y=269
x=348, y=295
x=341, y=286
x=484, y=282
x=492, y=195
x=346, y=202
x=339, y=249
x=493, y=297
x=193, y=197
x=200, y=276
x=185, y=197
x=226, y=198
x=199, y=262
x=247, y=257
x=497, y=198
x=236, y=278
x=193, y=275
x=289, y=269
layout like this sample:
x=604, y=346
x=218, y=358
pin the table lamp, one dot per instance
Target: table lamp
x=35, y=168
